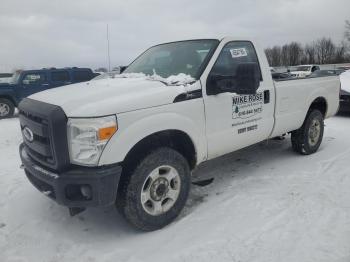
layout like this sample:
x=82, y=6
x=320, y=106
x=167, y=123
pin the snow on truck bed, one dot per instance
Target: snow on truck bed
x=265, y=204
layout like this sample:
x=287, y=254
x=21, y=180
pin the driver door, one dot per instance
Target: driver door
x=33, y=82
x=233, y=120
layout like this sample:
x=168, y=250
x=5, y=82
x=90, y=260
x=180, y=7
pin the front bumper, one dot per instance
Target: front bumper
x=77, y=187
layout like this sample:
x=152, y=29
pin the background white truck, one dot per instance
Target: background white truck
x=304, y=70
x=134, y=140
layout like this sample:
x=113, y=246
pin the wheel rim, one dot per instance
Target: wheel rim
x=314, y=132
x=4, y=109
x=160, y=190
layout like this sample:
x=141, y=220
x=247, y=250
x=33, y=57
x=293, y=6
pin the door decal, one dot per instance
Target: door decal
x=247, y=106
x=246, y=110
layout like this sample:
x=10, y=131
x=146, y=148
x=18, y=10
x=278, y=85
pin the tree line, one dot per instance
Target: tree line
x=321, y=51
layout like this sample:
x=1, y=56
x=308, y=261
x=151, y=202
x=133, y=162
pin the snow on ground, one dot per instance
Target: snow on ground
x=266, y=204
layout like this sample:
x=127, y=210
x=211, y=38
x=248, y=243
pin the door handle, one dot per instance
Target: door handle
x=266, y=96
x=45, y=84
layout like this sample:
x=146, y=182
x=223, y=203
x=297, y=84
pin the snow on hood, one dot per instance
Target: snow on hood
x=345, y=81
x=180, y=79
x=110, y=96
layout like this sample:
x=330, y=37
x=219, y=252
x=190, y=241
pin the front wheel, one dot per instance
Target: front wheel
x=308, y=138
x=154, y=193
x=7, y=108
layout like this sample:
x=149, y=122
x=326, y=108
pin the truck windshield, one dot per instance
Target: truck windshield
x=187, y=57
x=15, y=78
x=303, y=68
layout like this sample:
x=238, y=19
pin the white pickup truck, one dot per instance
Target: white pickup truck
x=133, y=140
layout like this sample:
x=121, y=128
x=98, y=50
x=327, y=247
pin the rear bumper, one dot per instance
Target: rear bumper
x=77, y=187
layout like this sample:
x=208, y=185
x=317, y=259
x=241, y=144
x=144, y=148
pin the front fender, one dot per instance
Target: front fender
x=134, y=126
x=9, y=93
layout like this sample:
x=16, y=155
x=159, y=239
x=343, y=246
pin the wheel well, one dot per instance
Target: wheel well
x=9, y=98
x=175, y=139
x=320, y=104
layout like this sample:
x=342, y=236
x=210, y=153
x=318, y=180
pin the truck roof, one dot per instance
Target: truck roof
x=54, y=69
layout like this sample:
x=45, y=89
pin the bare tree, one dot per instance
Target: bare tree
x=325, y=49
x=322, y=51
x=268, y=54
x=347, y=30
x=295, y=52
x=285, y=55
x=310, y=53
x=274, y=55
x=340, y=53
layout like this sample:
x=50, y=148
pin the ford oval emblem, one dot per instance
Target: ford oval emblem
x=28, y=134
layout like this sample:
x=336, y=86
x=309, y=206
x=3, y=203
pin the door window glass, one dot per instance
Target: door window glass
x=33, y=78
x=232, y=55
x=60, y=76
x=81, y=76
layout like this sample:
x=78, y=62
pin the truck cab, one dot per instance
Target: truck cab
x=28, y=82
x=133, y=140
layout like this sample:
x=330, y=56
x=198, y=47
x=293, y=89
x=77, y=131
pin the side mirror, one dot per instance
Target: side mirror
x=122, y=69
x=248, y=78
x=217, y=84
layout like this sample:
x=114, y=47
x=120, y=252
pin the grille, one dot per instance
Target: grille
x=48, y=124
x=40, y=149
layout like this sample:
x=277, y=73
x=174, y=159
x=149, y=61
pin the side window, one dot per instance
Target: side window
x=33, y=78
x=81, y=76
x=60, y=76
x=232, y=55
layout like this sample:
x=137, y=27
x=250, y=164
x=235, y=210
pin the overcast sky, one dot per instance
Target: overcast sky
x=43, y=33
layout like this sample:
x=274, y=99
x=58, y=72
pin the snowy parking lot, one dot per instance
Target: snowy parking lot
x=266, y=203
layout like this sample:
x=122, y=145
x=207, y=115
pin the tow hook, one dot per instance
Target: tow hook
x=76, y=210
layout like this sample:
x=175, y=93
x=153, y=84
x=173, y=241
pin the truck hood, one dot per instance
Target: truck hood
x=109, y=96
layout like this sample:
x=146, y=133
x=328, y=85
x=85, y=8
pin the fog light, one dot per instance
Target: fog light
x=78, y=192
x=86, y=191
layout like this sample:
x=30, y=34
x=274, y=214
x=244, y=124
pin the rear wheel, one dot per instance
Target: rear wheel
x=7, y=108
x=308, y=138
x=153, y=194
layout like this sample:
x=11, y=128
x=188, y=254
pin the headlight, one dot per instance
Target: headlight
x=87, y=137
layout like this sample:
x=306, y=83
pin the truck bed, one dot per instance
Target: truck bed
x=290, y=106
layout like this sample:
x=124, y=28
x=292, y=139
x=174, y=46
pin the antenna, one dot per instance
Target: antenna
x=108, y=55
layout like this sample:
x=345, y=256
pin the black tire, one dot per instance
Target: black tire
x=301, y=138
x=9, y=106
x=134, y=179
